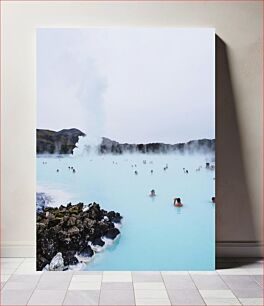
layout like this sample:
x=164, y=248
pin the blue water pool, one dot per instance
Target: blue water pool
x=154, y=235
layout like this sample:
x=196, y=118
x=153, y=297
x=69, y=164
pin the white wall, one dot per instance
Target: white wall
x=239, y=106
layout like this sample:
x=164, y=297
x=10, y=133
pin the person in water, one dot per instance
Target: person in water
x=177, y=202
x=152, y=193
x=213, y=200
x=136, y=172
x=151, y=171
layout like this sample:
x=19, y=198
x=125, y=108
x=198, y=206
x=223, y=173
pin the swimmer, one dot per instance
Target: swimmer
x=136, y=173
x=151, y=171
x=73, y=170
x=177, y=202
x=186, y=171
x=152, y=193
x=58, y=170
x=213, y=200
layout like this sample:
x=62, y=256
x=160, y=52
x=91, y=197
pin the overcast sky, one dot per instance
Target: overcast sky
x=134, y=85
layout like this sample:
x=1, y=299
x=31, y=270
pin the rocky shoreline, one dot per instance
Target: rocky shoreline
x=73, y=234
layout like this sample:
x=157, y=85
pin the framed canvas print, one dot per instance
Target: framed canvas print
x=125, y=149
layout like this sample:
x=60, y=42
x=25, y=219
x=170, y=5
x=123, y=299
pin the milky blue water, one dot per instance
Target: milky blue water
x=155, y=235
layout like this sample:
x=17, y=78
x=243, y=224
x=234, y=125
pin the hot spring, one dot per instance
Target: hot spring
x=155, y=235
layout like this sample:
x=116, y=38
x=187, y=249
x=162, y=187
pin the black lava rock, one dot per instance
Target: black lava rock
x=69, y=230
x=112, y=233
x=87, y=252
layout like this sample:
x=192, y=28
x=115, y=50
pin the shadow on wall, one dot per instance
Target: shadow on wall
x=234, y=215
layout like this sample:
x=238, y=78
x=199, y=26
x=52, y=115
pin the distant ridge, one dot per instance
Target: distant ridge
x=64, y=142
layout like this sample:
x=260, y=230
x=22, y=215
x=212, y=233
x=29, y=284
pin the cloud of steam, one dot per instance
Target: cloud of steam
x=90, y=95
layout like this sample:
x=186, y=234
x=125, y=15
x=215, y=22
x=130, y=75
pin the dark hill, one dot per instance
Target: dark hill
x=61, y=142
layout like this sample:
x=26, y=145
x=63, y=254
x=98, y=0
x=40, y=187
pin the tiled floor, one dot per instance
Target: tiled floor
x=235, y=282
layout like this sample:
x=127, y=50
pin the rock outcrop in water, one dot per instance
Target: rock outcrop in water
x=63, y=142
x=68, y=234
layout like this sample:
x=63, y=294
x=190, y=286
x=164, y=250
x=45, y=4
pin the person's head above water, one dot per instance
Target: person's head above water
x=178, y=200
x=213, y=199
x=152, y=192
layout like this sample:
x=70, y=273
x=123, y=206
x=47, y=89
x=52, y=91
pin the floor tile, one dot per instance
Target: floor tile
x=152, y=302
x=185, y=297
x=54, y=281
x=20, y=284
x=251, y=301
x=12, y=265
x=233, y=271
x=221, y=301
x=146, y=277
x=208, y=282
x=24, y=278
x=254, y=271
x=178, y=282
x=117, y=277
x=87, y=297
x=85, y=286
x=217, y=294
x=248, y=293
x=151, y=294
x=117, y=286
x=8, y=270
x=240, y=282
x=86, y=278
x=87, y=272
x=149, y=286
x=15, y=297
x=117, y=297
x=164, y=273
x=258, y=279
x=203, y=273
x=27, y=268
x=5, y=277
x=47, y=297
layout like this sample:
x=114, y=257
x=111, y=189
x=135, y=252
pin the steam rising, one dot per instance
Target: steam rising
x=91, y=97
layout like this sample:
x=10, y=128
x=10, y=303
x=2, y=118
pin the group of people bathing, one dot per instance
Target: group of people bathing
x=177, y=201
